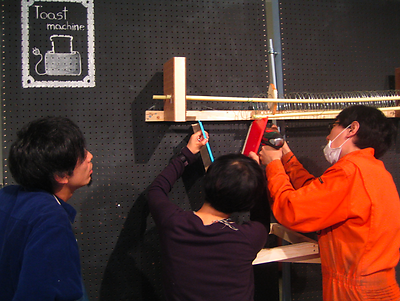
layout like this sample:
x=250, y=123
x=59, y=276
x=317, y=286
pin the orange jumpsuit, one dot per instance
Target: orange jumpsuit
x=355, y=208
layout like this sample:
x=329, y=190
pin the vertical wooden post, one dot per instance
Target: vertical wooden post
x=397, y=84
x=175, y=86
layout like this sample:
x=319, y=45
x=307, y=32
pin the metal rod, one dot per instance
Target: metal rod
x=272, y=63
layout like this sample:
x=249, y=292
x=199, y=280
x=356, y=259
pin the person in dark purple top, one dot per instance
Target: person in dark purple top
x=207, y=256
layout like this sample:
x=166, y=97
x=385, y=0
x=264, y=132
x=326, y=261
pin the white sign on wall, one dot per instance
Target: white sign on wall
x=57, y=43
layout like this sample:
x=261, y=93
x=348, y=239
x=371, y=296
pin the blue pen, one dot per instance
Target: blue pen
x=207, y=144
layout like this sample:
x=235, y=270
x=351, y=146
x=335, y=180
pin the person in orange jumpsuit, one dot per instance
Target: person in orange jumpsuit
x=354, y=206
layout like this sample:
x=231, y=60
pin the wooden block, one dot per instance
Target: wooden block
x=272, y=93
x=397, y=84
x=205, y=156
x=175, y=86
x=154, y=116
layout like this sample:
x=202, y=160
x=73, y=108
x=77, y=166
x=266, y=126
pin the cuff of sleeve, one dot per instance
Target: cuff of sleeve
x=186, y=156
x=286, y=158
x=273, y=167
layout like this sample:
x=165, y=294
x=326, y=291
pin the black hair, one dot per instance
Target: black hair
x=234, y=183
x=375, y=130
x=44, y=148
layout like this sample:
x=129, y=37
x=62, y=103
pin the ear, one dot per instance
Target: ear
x=353, y=129
x=61, y=178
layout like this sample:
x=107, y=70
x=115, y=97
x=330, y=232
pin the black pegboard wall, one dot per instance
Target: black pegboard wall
x=223, y=42
x=225, y=46
x=331, y=46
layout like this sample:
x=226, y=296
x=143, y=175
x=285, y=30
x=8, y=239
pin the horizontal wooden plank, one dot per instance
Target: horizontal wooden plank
x=300, y=252
x=232, y=115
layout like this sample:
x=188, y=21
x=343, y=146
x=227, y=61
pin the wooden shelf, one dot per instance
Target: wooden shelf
x=301, y=250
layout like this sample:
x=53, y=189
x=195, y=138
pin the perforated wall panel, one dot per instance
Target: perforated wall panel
x=223, y=42
x=337, y=45
x=330, y=46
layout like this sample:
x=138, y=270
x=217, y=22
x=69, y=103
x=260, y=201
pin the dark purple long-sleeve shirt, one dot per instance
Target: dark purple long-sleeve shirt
x=212, y=262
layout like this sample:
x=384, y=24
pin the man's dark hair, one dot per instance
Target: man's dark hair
x=44, y=148
x=234, y=183
x=375, y=130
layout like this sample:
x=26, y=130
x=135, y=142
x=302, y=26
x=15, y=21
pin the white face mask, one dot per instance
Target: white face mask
x=332, y=154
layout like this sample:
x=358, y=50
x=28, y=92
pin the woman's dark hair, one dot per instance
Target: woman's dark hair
x=375, y=130
x=234, y=183
x=44, y=148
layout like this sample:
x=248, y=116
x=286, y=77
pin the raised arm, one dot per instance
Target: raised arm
x=160, y=205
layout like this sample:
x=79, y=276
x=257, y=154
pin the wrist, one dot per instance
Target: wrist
x=285, y=149
x=271, y=160
x=192, y=149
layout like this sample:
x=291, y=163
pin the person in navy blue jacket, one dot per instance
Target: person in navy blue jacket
x=205, y=254
x=39, y=255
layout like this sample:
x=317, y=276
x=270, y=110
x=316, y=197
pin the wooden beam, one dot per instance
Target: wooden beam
x=205, y=157
x=397, y=83
x=232, y=115
x=175, y=87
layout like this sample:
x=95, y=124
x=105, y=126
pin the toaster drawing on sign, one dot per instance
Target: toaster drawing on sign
x=62, y=59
